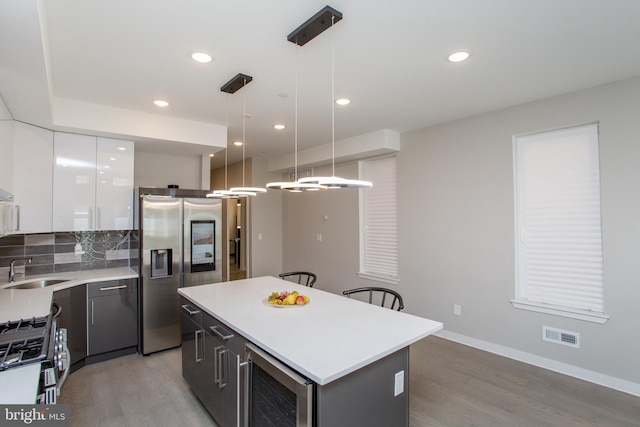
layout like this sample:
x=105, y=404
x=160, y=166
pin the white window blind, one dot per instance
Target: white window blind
x=379, y=243
x=558, y=226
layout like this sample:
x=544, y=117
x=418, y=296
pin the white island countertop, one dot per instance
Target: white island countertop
x=324, y=340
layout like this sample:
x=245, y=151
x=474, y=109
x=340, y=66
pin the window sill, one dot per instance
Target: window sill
x=587, y=316
x=389, y=280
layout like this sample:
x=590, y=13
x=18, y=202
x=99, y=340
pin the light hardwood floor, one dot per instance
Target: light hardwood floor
x=134, y=391
x=451, y=385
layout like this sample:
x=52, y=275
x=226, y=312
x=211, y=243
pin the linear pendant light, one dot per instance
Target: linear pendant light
x=248, y=191
x=232, y=86
x=333, y=181
x=296, y=186
x=219, y=194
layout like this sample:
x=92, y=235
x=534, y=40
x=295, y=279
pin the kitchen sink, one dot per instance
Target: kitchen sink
x=35, y=284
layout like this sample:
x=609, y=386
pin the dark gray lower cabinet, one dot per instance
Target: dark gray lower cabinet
x=210, y=364
x=273, y=394
x=112, y=316
x=73, y=317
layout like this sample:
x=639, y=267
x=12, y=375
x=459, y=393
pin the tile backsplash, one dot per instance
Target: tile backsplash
x=55, y=252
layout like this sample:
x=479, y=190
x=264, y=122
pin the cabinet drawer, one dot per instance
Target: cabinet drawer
x=110, y=287
x=223, y=333
x=191, y=311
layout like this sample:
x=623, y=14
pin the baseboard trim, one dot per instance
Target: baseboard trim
x=552, y=365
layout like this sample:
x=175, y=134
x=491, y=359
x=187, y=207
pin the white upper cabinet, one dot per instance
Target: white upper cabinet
x=26, y=171
x=6, y=155
x=114, y=184
x=74, y=182
x=32, y=178
x=93, y=183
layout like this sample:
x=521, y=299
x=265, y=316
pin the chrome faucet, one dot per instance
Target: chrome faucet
x=12, y=268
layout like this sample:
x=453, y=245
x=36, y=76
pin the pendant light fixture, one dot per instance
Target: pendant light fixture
x=296, y=186
x=333, y=181
x=219, y=194
x=306, y=32
x=232, y=86
x=248, y=191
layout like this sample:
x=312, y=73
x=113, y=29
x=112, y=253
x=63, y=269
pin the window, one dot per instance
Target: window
x=558, y=231
x=379, y=221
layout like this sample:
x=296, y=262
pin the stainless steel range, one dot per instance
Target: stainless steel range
x=37, y=340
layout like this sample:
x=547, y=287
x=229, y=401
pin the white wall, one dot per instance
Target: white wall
x=457, y=229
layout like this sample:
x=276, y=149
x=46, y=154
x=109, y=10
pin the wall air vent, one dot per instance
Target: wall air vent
x=558, y=336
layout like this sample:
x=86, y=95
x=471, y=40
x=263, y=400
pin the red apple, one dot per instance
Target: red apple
x=300, y=300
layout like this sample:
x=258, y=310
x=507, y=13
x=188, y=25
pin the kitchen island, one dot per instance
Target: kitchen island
x=356, y=354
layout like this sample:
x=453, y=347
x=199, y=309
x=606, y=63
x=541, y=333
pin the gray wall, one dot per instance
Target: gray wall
x=335, y=259
x=456, y=229
x=160, y=170
x=266, y=222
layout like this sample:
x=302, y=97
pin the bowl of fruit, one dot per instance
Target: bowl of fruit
x=286, y=299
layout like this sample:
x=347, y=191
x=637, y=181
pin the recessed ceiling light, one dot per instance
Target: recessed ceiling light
x=161, y=103
x=343, y=101
x=202, y=57
x=211, y=155
x=112, y=158
x=237, y=143
x=122, y=148
x=278, y=126
x=458, y=56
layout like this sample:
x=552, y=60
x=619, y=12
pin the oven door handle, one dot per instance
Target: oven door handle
x=67, y=368
x=58, y=309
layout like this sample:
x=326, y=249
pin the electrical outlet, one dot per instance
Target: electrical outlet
x=319, y=237
x=457, y=309
x=399, y=383
x=77, y=250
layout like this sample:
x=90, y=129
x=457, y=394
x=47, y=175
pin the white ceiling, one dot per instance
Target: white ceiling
x=390, y=60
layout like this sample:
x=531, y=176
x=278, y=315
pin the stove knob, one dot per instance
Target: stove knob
x=63, y=361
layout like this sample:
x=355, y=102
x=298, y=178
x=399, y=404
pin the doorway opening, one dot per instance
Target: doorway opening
x=236, y=231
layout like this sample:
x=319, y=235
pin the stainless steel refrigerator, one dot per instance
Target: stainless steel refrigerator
x=180, y=245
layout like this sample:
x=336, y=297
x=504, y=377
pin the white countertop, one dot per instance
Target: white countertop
x=18, y=304
x=20, y=385
x=326, y=339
